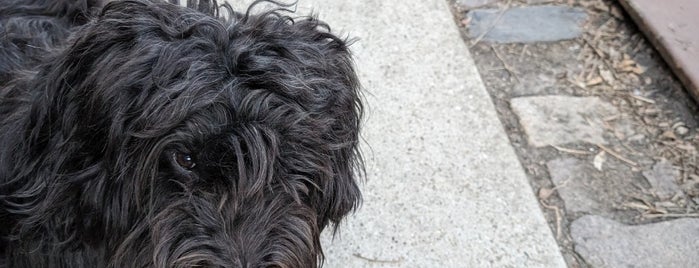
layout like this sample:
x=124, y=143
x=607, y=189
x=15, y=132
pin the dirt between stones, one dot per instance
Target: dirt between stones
x=644, y=169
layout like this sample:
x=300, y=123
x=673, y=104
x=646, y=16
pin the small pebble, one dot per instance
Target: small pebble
x=682, y=130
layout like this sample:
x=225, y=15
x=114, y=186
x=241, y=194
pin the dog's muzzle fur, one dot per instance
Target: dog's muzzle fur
x=141, y=133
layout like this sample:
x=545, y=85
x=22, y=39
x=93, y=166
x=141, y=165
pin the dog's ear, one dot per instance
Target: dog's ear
x=343, y=103
x=302, y=62
x=337, y=105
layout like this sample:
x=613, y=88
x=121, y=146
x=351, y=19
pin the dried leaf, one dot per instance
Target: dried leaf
x=658, y=210
x=607, y=76
x=595, y=81
x=636, y=69
x=579, y=84
x=616, y=12
x=626, y=62
x=665, y=204
x=545, y=193
x=669, y=135
x=619, y=134
x=636, y=205
x=630, y=66
x=466, y=21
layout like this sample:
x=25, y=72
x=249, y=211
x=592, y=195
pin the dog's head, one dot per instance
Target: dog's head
x=175, y=138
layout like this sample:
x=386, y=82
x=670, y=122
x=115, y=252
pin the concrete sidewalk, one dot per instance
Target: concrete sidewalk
x=444, y=187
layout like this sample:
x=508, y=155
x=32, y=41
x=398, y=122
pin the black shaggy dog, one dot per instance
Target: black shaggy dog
x=141, y=133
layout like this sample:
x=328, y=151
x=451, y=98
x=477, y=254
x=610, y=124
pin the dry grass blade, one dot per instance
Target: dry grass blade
x=643, y=99
x=559, y=218
x=571, y=151
x=599, y=54
x=636, y=205
x=495, y=23
x=504, y=64
x=357, y=255
x=617, y=155
x=580, y=85
x=672, y=215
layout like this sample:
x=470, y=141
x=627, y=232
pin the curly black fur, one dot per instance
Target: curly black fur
x=140, y=133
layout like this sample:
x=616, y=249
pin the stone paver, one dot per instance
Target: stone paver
x=606, y=243
x=557, y=120
x=585, y=189
x=539, y=78
x=471, y=4
x=539, y=2
x=527, y=24
x=663, y=179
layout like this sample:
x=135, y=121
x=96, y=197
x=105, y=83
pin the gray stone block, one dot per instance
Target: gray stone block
x=607, y=243
x=470, y=4
x=585, y=189
x=557, y=120
x=527, y=24
x=662, y=178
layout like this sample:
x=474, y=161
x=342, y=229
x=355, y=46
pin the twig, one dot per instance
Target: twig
x=575, y=84
x=377, y=260
x=598, y=31
x=495, y=23
x=634, y=151
x=504, y=64
x=557, y=211
x=618, y=156
x=611, y=118
x=592, y=72
x=571, y=151
x=643, y=99
x=600, y=54
x=523, y=53
x=672, y=215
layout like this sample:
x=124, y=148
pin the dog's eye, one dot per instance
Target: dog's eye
x=186, y=161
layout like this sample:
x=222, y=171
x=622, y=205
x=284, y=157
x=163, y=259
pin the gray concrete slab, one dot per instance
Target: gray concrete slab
x=444, y=187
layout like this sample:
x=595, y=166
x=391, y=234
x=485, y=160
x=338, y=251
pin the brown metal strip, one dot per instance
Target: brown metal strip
x=672, y=27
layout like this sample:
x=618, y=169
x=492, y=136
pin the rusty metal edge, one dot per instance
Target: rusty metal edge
x=691, y=86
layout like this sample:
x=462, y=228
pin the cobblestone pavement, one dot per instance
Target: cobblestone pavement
x=606, y=133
